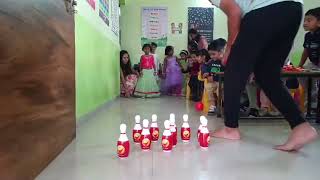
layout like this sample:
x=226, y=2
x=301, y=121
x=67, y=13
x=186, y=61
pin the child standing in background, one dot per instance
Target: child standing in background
x=172, y=74
x=147, y=85
x=214, y=65
x=153, y=52
x=195, y=85
x=193, y=70
x=154, y=47
x=184, y=54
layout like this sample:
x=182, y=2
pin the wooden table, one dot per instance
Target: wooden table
x=309, y=74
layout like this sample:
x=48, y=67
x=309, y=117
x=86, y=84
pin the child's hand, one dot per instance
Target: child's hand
x=251, y=79
x=205, y=75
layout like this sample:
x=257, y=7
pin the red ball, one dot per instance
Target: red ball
x=199, y=106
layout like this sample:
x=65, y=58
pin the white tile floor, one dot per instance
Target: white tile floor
x=92, y=155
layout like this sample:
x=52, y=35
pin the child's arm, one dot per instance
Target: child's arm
x=304, y=57
x=179, y=63
x=122, y=78
x=154, y=67
x=135, y=72
x=204, y=73
x=140, y=67
x=165, y=62
x=200, y=76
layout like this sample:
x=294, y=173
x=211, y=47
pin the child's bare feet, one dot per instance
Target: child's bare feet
x=300, y=136
x=227, y=133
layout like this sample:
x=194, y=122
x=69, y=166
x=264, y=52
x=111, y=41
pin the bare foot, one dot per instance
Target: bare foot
x=227, y=133
x=300, y=136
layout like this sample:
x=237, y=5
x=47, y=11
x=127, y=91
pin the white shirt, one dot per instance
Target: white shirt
x=249, y=5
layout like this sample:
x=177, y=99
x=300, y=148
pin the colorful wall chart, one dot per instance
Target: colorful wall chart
x=104, y=10
x=92, y=3
x=154, y=25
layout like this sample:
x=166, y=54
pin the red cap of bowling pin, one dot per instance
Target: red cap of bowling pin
x=154, y=129
x=204, y=137
x=173, y=129
x=202, y=118
x=137, y=130
x=145, y=136
x=185, y=129
x=167, y=142
x=123, y=145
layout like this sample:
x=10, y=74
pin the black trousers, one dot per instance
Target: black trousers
x=265, y=39
x=196, y=88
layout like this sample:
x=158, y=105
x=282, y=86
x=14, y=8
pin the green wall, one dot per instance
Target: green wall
x=97, y=61
x=177, y=9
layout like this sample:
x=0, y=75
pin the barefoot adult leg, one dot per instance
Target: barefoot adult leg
x=300, y=136
x=227, y=133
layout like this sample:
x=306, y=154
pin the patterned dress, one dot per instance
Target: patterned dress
x=147, y=84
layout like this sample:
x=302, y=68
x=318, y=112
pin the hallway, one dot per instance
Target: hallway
x=92, y=155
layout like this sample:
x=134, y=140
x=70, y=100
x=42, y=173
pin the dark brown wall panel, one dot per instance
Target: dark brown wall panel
x=37, y=85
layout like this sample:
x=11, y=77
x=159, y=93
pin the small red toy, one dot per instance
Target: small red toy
x=199, y=106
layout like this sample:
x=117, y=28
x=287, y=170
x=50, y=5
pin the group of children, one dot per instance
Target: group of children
x=197, y=70
x=177, y=74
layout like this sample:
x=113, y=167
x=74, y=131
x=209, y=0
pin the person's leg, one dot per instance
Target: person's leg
x=244, y=53
x=304, y=82
x=268, y=76
x=251, y=89
x=215, y=95
x=254, y=38
x=200, y=88
x=209, y=89
x=192, y=85
x=196, y=91
x=265, y=104
x=215, y=92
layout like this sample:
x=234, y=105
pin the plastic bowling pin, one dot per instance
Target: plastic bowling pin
x=173, y=130
x=154, y=129
x=123, y=145
x=145, y=136
x=166, y=137
x=200, y=127
x=204, y=137
x=173, y=118
x=137, y=130
x=185, y=129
